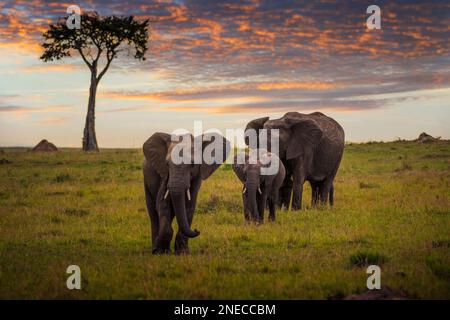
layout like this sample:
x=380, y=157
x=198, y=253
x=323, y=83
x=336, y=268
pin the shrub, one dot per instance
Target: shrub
x=366, y=258
x=62, y=178
x=75, y=212
x=364, y=185
x=5, y=161
x=438, y=267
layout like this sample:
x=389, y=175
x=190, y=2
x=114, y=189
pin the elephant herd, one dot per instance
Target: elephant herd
x=310, y=148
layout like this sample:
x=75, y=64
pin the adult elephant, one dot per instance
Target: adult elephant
x=171, y=185
x=311, y=148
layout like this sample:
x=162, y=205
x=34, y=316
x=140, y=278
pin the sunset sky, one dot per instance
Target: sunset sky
x=227, y=62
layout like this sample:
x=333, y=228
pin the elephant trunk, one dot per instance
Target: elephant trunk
x=179, y=206
x=252, y=186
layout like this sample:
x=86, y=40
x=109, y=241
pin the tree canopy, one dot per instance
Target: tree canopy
x=96, y=36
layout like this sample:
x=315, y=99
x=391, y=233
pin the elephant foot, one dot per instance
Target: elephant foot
x=181, y=244
x=158, y=251
x=182, y=251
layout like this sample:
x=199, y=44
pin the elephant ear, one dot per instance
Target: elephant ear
x=305, y=136
x=238, y=168
x=213, y=143
x=155, y=151
x=257, y=125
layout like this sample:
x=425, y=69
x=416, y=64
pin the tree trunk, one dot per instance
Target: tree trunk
x=89, y=138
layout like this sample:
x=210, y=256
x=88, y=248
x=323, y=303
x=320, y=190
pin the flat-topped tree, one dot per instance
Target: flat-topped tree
x=99, y=39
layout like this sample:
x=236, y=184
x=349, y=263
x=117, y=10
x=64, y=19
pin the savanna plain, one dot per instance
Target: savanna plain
x=392, y=209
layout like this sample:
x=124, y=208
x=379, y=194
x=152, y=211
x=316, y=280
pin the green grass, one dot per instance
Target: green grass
x=392, y=205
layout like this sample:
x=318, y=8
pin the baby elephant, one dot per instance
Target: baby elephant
x=262, y=174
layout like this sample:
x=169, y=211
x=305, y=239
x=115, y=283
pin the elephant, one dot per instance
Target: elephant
x=311, y=148
x=171, y=187
x=260, y=187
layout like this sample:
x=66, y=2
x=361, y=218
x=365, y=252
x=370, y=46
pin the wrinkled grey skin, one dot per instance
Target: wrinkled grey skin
x=162, y=175
x=311, y=148
x=259, y=189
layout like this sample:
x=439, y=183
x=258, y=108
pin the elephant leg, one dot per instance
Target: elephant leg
x=273, y=200
x=272, y=207
x=262, y=200
x=332, y=195
x=165, y=234
x=285, y=193
x=246, y=211
x=153, y=214
x=285, y=197
x=297, y=192
x=297, y=197
x=181, y=241
x=325, y=190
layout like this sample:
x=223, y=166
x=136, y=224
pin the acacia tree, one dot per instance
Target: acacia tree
x=98, y=40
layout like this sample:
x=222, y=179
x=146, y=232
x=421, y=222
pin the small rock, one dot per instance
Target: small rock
x=426, y=138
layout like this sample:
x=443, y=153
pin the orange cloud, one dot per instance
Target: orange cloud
x=53, y=120
x=296, y=85
x=49, y=68
x=20, y=110
x=211, y=93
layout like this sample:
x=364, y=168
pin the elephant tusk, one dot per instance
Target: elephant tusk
x=259, y=190
x=243, y=191
x=166, y=194
x=188, y=193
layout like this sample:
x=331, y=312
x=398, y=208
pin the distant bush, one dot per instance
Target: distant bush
x=438, y=267
x=75, y=212
x=366, y=258
x=364, y=185
x=62, y=178
x=400, y=140
x=5, y=161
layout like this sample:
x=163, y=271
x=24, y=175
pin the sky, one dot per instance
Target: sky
x=227, y=62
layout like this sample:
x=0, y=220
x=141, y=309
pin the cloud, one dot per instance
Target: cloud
x=219, y=91
x=213, y=30
x=21, y=110
x=53, y=120
x=285, y=106
x=241, y=56
x=43, y=68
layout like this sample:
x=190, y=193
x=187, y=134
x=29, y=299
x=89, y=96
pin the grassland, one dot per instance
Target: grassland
x=392, y=209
